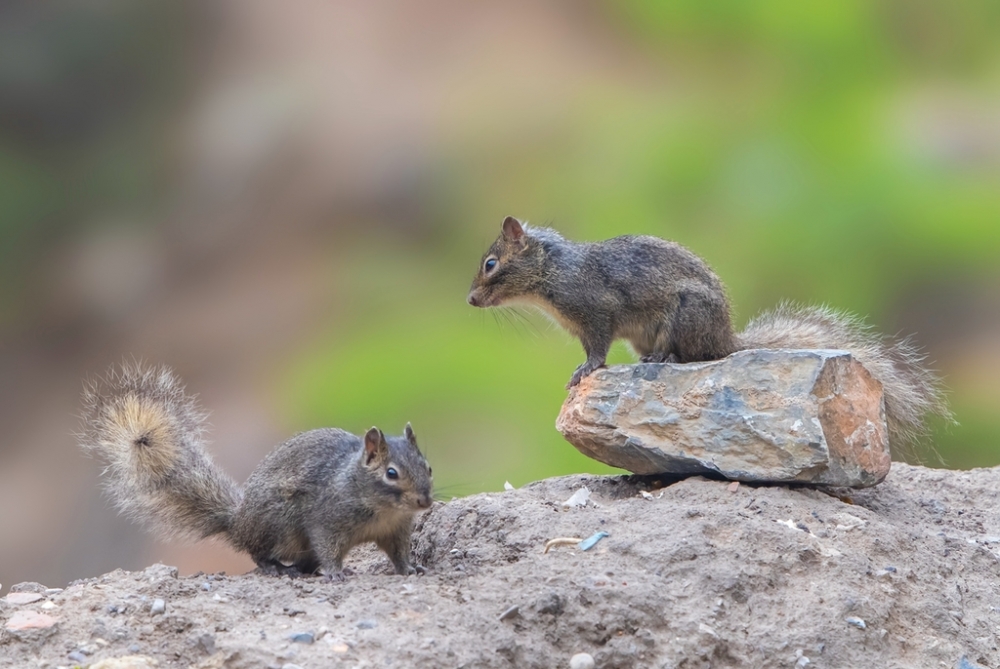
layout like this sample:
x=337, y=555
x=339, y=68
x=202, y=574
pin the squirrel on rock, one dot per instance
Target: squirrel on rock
x=671, y=307
x=303, y=508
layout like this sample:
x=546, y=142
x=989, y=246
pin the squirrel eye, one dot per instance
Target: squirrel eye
x=490, y=264
x=391, y=474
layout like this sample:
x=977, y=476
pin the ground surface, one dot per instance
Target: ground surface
x=708, y=574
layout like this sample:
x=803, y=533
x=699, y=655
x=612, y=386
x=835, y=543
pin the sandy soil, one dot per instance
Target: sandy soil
x=701, y=574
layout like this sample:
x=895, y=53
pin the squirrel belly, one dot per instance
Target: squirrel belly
x=306, y=505
x=671, y=307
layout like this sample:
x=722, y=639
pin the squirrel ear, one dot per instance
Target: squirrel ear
x=512, y=229
x=374, y=444
x=410, y=437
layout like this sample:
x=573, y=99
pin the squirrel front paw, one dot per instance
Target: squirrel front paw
x=586, y=369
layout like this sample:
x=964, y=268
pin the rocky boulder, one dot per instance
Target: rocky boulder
x=813, y=416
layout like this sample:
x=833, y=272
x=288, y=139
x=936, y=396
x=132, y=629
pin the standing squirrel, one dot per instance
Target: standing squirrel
x=671, y=307
x=306, y=504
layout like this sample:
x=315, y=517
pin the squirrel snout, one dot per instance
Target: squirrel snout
x=473, y=299
x=425, y=501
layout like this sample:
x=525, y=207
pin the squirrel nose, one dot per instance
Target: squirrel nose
x=473, y=300
x=425, y=501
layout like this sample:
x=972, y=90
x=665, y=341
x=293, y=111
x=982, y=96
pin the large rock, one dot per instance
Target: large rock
x=813, y=416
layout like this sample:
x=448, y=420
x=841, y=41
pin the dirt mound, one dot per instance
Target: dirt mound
x=699, y=574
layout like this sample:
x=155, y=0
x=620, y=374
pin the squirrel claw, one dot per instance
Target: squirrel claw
x=411, y=569
x=338, y=576
x=586, y=369
x=659, y=358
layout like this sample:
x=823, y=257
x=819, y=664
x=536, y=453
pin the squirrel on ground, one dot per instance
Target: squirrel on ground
x=671, y=307
x=303, y=508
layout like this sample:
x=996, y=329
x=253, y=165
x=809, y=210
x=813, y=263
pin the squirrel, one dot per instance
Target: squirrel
x=671, y=307
x=303, y=508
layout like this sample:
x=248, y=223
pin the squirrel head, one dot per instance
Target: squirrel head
x=403, y=475
x=513, y=267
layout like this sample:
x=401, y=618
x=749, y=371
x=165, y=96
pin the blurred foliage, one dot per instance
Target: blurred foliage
x=835, y=151
x=784, y=150
x=83, y=86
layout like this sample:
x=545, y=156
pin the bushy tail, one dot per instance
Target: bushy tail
x=149, y=432
x=911, y=390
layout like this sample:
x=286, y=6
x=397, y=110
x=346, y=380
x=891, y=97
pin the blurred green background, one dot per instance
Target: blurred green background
x=287, y=203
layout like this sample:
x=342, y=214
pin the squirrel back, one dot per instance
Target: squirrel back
x=306, y=505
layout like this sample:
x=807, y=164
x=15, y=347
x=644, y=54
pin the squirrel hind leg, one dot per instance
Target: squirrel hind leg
x=272, y=567
x=307, y=565
x=701, y=330
x=329, y=548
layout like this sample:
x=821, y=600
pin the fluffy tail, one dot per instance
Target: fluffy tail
x=911, y=390
x=149, y=432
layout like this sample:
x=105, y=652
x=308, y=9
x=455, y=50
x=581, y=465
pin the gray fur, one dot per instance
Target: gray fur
x=189, y=495
x=656, y=294
x=672, y=307
x=307, y=504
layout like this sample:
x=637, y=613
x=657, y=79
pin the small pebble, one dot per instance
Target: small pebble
x=126, y=662
x=367, y=624
x=581, y=661
x=511, y=612
x=23, y=597
x=856, y=622
x=289, y=665
x=27, y=620
x=77, y=657
x=305, y=637
x=159, y=606
x=206, y=642
x=28, y=586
